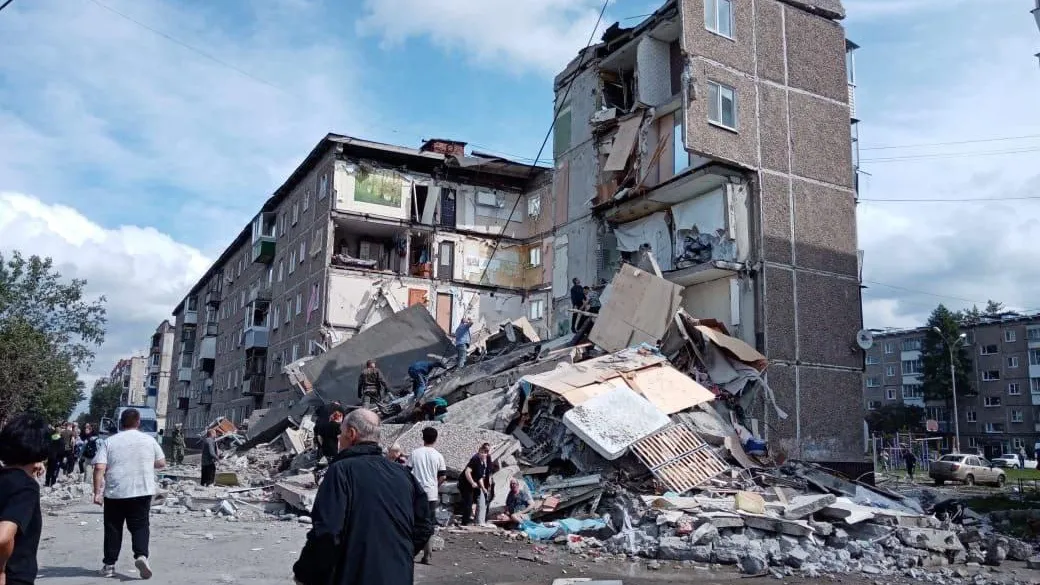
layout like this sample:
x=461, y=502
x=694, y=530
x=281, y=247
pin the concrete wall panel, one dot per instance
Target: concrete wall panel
x=825, y=228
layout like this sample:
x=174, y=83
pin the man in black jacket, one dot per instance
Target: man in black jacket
x=370, y=516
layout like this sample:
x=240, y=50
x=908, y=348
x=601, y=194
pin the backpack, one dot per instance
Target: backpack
x=90, y=449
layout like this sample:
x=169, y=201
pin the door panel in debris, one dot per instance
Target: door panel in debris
x=446, y=261
x=444, y=302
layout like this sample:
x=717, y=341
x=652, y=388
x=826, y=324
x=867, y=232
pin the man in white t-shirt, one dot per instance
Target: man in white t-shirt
x=429, y=470
x=125, y=464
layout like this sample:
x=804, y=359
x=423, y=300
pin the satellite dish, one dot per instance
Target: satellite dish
x=864, y=339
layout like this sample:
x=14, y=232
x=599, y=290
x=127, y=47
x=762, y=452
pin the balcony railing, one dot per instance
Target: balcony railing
x=253, y=387
x=190, y=317
x=184, y=374
x=260, y=293
x=264, y=250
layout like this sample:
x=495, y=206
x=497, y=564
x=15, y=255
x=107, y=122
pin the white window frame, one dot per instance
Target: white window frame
x=890, y=347
x=1034, y=357
x=534, y=256
x=534, y=205
x=984, y=349
x=988, y=375
x=1017, y=416
x=890, y=394
x=873, y=382
x=295, y=212
x=1010, y=336
x=276, y=313
x=292, y=261
x=536, y=310
x=890, y=371
x=713, y=10
x=303, y=250
x=916, y=391
x=323, y=186
x=306, y=200
x=1014, y=389
x=992, y=401
x=1012, y=361
x=971, y=416
x=719, y=86
x=973, y=442
x=873, y=360
x=288, y=310
x=909, y=371
x=1034, y=385
x=299, y=304
x=873, y=404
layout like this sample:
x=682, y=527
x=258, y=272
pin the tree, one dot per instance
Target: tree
x=895, y=418
x=104, y=399
x=48, y=331
x=993, y=308
x=935, y=357
x=970, y=317
x=33, y=374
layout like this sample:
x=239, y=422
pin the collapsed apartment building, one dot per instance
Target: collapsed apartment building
x=717, y=135
x=359, y=231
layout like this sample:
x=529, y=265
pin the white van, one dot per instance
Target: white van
x=149, y=421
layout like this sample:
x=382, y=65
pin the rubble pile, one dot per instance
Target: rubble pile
x=633, y=439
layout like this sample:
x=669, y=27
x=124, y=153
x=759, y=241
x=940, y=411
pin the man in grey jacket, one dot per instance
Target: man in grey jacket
x=209, y=457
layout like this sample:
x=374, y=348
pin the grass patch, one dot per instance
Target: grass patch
x=1013, y=475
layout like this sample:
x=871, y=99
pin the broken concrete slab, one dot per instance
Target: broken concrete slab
x=750, y=502
x=490, y=410
x=293, y=441
x=777, y=525
x=394, y=343
x=845, y=509
x=610, y=423
x=455, y=442
x=723, y=520
x=802, y=506
x=939, y=541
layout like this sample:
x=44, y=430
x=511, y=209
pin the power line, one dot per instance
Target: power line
x=5, y=4
x=937, y=295
x=965, y=200
x=548, y=133
x=949, y=155
x=176, y=41
x=926, y=144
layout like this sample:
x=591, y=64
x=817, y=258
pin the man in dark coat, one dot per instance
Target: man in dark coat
x=370, y=516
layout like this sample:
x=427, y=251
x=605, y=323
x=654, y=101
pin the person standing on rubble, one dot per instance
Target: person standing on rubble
x=371, y=385
x=210, y=456
x=419, y=372
x=326, y=433
x=125, y=468
x=462, y=340
x=177, y=443
x=475, y=485
x=429, y=469
x=370, y=517
x=577, y=300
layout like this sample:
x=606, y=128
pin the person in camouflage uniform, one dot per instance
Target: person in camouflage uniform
x=372, y=386
x=177, y=440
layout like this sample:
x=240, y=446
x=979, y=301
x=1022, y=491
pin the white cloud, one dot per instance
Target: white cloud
x=142, y=272
x=538, y=35
x=99, y=108
x=924, y=87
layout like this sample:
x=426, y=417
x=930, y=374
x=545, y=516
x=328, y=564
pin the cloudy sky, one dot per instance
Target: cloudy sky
x=137, y=136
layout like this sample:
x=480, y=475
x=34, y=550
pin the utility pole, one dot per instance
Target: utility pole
x=953, y=383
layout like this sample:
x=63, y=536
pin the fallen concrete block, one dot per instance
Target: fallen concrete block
x=802, y=506
x=777, y=525
x=750, y=502
x=296, y=496
x=706, y=533
x=822, y=528
x=796, y=557
x=293, y=441
x=939, y=541
x=1033, y=562
x=845, y=509
x=674, y=548
x=722, y=520
x=753, y=564
x=226, y=479
x=1018, y=550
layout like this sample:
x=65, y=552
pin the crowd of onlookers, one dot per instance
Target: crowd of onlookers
x=70, y=451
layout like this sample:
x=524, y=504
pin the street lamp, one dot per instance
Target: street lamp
x=953, y=383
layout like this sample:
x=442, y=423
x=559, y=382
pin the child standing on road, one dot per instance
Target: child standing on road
x=24, y=446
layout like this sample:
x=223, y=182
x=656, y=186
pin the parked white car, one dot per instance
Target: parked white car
x=1010, y=461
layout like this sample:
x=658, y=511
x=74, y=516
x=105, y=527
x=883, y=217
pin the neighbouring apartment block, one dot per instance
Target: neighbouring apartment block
x=131, y=374
x=360, y=230
x=160, y=362
x=999, y=414
x=719, y=135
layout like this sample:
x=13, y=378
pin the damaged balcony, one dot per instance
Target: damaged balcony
x=185, y=367
x=253, y=376
x=265, y=232
x=384, y=246
x=206, y=394
x=208, y=345
x=257, y=331
x=212, y=297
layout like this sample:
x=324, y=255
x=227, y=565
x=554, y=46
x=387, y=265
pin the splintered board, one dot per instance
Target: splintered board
x=679, y=458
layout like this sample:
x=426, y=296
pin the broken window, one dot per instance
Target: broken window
x=419, y=195
x=420, y=262
x=680, y=158
x=618, y=88
x=534, y=205
x=722, y=105
x=562, y=132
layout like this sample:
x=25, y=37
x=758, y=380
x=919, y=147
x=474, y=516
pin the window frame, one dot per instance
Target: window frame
x=1010, y=336
x=992, y=401
x=988, y=375
x=718, y=104
x=971, y=416
x=1020, y=418
x=984, y=349
x=1012, y=361
x=872, y=360
x=714, y=27
x=1017, y=389
x=890, y=394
